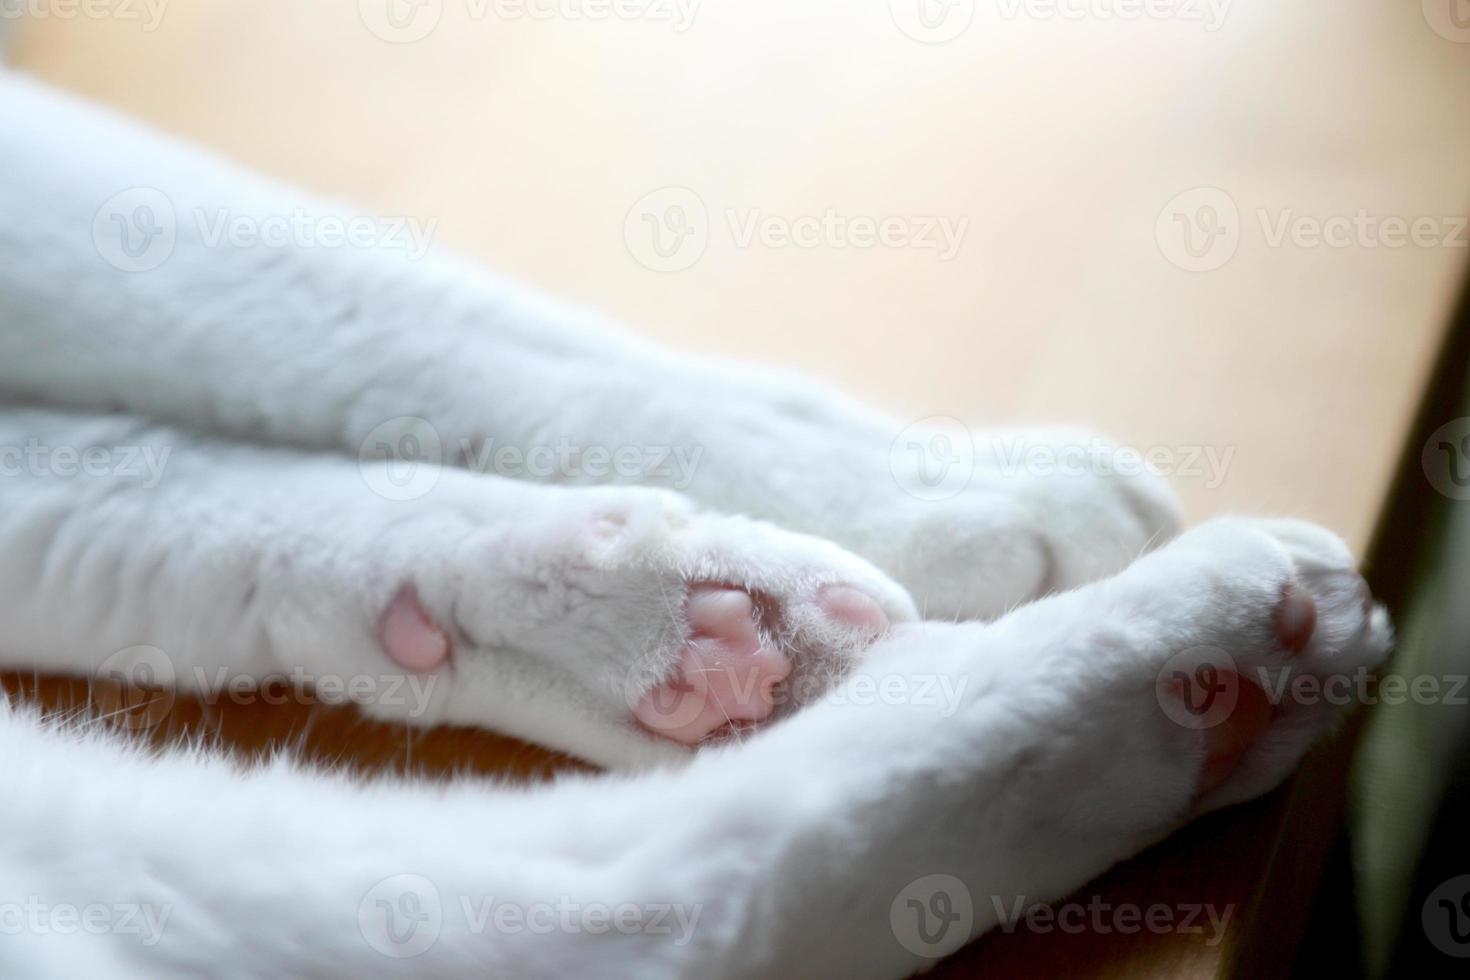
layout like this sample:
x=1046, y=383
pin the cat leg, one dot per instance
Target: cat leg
x=863, y=837
x=122, y=285
x=620, y=624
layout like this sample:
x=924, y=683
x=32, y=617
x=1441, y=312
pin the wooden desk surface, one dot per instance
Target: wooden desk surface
x=1273, y=370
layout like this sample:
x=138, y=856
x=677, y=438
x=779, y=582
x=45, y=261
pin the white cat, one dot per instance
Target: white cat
x=826, y=690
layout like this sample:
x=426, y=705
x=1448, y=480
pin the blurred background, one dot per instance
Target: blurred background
x=1230, y=234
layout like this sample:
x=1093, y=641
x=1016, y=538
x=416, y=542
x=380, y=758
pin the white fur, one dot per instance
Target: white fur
x=261, y=546
x=244, y=562
x=792, y=846
x=322, y=347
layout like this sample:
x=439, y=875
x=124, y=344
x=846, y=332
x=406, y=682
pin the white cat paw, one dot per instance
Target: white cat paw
x=683, y=627
x=1042, y=512
x=1282, y=621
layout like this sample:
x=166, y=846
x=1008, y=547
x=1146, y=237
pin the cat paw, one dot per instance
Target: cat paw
x=1289, y=621
x=732, y=666
x=1042, y=512
x=769, y=620
x=644, y=619
x=409, y=635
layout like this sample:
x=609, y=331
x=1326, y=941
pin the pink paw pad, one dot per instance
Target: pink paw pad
x=727, y=674
x=853, y=609
x=1296, y=619
x=409, y=635
x=1252, y=711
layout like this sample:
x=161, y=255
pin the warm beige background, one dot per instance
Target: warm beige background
x=1061, y=141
